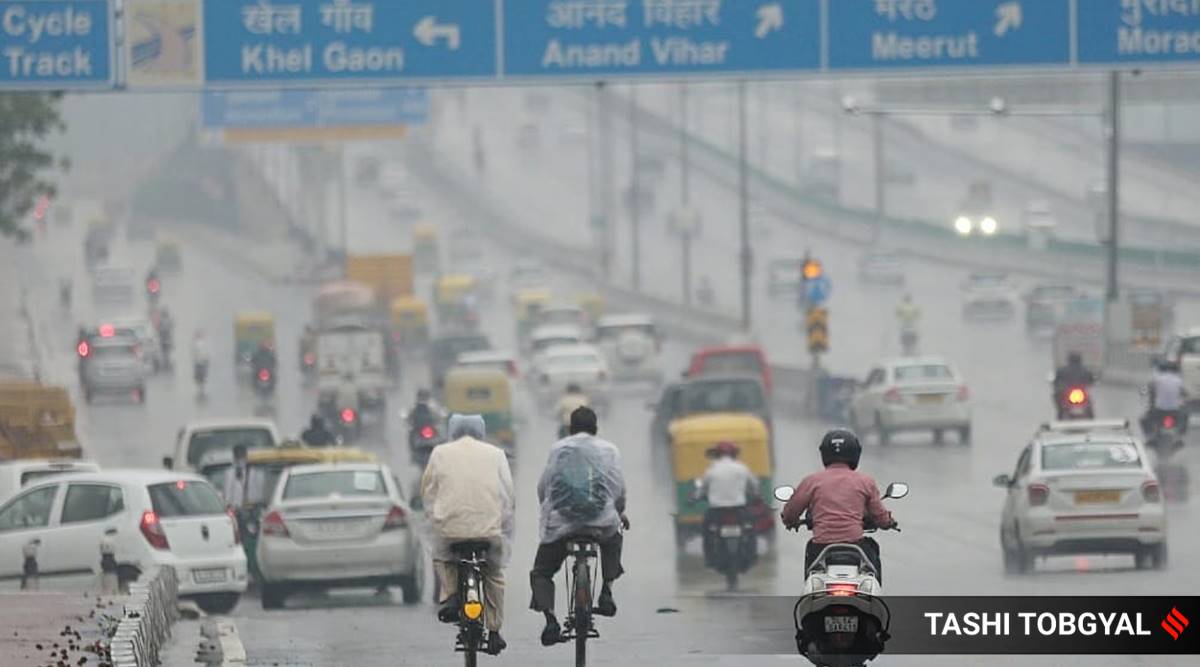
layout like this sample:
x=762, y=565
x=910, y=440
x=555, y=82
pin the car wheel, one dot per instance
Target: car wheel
x=885, y=436
x=273, y=596
x=412, y=587
x=1152, y=557
x=681, y=537
x=939, y=436
x=964, y=435
x=218, y=603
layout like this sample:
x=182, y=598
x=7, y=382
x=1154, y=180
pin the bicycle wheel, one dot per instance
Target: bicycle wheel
x=470, y=657
x=583, y=610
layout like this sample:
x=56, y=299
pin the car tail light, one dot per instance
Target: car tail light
x=237, y=533
x=1150, y=492
x=152, y=530
x=273, y=525
x=1077, y=396
x=1168, y=421
x=348, y=416
x=264, y=375
x=964, y=394
x=395, y=518
x=83, y=348
x=107, y=331
x=842, y=589
x=427, y=432
x=892, y=396
x=1038, y=494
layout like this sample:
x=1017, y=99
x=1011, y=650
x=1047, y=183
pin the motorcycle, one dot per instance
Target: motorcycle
x=349, y=424
x=841, y=619
x=308, y=366
x=730, y=543
x=1075, y=402
x=264, y=382
x=153, y=290
x=422, y=438
x=1165, y=434
x=908, y=341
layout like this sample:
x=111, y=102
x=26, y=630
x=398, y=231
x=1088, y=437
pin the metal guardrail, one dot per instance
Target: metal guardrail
x=149, y=613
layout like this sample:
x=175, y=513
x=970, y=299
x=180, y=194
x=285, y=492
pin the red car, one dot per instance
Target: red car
x=730, y=360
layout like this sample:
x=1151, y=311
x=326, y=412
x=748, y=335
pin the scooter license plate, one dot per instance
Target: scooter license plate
x=841, y=624
x=731, y=531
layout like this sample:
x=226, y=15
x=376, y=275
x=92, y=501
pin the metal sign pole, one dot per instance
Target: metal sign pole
x=744, y=194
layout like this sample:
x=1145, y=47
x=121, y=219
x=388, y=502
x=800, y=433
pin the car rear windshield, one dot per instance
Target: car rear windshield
x=614, y=332
x=185, y=498
x=1190, y=345
x=923, y=373
x=706, y=397
x=1090, y=456
x=580, y=361
x=339, y=482
x=732, y=362
x=225, y=439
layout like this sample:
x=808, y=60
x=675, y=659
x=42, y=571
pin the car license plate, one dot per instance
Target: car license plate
x=214, y=575
x=1101, y=497
x=336, y=527
x=929, y=399
x=841, y=624
x=731, y=531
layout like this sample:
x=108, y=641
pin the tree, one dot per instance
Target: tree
x=26, y=120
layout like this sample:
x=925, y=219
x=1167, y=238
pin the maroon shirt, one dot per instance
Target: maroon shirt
x=837, y=498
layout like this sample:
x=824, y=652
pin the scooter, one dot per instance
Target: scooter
x=841, y=619
x=308, y=367
x=264, y=383
x=422, y=438
x=349, y=424
x=730, y=543
x=1165, y=434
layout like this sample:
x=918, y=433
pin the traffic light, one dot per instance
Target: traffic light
x=817, y=323
x=813, y=269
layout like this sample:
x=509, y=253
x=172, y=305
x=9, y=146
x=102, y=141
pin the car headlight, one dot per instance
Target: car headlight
x=988, y=225
x=962, y=225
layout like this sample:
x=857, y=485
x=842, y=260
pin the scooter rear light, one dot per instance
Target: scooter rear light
x=1151, y=492
x=1168, y=421
x=842, y=589
x=83, y=349
x=348, y=416
x=1038, y=494
x=310, y=359
x=1077, y=396
x=427, y=432
x=264, y=375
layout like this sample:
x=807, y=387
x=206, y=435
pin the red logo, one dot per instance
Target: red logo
x=1174, y=623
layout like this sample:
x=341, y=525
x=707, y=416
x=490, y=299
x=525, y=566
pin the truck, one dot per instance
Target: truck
x=37, y=421
x=391, y=276
x=356, y=352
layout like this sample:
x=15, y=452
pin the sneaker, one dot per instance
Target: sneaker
x=552, y=633
x=496, y=644
x=605, y=606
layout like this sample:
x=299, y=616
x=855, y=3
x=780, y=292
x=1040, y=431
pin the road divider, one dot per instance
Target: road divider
x=145, y=624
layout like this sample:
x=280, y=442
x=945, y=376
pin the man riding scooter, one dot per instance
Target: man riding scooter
x=1167, y=400
x=1071, y=383
x=729, y=487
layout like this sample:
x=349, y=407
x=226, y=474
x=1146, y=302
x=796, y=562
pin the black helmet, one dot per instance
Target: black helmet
x=1074, y=359
x=574, y=388
x=423, y=395
x=841, y=446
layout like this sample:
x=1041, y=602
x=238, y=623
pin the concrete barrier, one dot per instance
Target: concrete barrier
x=145, y=624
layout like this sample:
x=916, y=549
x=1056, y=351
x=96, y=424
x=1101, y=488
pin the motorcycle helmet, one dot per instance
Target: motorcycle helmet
x=1074, y=359
x=841, y=446
x=423, y=395
x=574, y=389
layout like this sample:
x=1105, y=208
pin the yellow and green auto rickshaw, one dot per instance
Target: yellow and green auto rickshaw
x=410, y=324
x=455, y=295
x=263, y=469
x=487, y=392
x=251, y=329
x=425, y=247
x=691, y=440
x=592, y=303
x=528, y=303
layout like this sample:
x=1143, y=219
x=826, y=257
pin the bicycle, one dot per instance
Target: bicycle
x=472, y=559
x=582, y=551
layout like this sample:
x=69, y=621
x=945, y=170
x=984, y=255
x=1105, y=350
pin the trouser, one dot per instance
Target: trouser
x=868, y=544
x=493, y=590
x=549, y=560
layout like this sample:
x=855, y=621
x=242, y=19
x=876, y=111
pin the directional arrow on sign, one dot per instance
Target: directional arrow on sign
x=770, y=19
x=1008, y=17
x=428, y=31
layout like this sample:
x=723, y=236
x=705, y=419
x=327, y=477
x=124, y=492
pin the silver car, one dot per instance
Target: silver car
x=338, y=525
x=114, y=365
x=632, y=345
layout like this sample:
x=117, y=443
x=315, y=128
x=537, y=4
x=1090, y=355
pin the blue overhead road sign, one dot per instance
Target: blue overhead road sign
x=320, y=108
x=52, y=44
x=914, y=34
x=1113, y=32
x=592, y=39
x=299, y=42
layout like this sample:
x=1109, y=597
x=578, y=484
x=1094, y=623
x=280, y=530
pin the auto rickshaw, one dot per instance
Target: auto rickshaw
x=425, y=247
x=592, y=303
x=251, y=329
x=691, y=439
x=455, y=298
x=528, y=303
x=263, y=469
x=167, y=256
x=410, y=323
x=487, y=392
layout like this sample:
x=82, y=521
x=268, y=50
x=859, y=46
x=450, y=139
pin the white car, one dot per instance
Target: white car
x=198, y=438
x=153, y=518
x=17, y=474
x=141, y=330
x=632, y=345
x=1184, y=349
x=497, y=359
x=111, y=284
x=989, y=296
x=337, y=525
x=563, y=315
x=1082, y=487
x=913, y=394
x=565, y=365
x=544, y=338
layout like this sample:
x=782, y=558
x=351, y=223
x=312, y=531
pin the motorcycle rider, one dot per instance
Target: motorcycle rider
x=166, y=333
x=317, y=434
x=308, y=343
x=1074, y=374
x=467, y=490
x=595, y=508
x=263, y=358
x=1167, y=395
x=425, y=412
x=199, y=358
x=838, y=498
x=572, y=400
x=727, y=484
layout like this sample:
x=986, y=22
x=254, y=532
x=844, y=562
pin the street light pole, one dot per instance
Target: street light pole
x=880, y=175
x=744, y=194
x=685, y=193
x=604, y=126
x=635, y=192
x=1113, y=135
